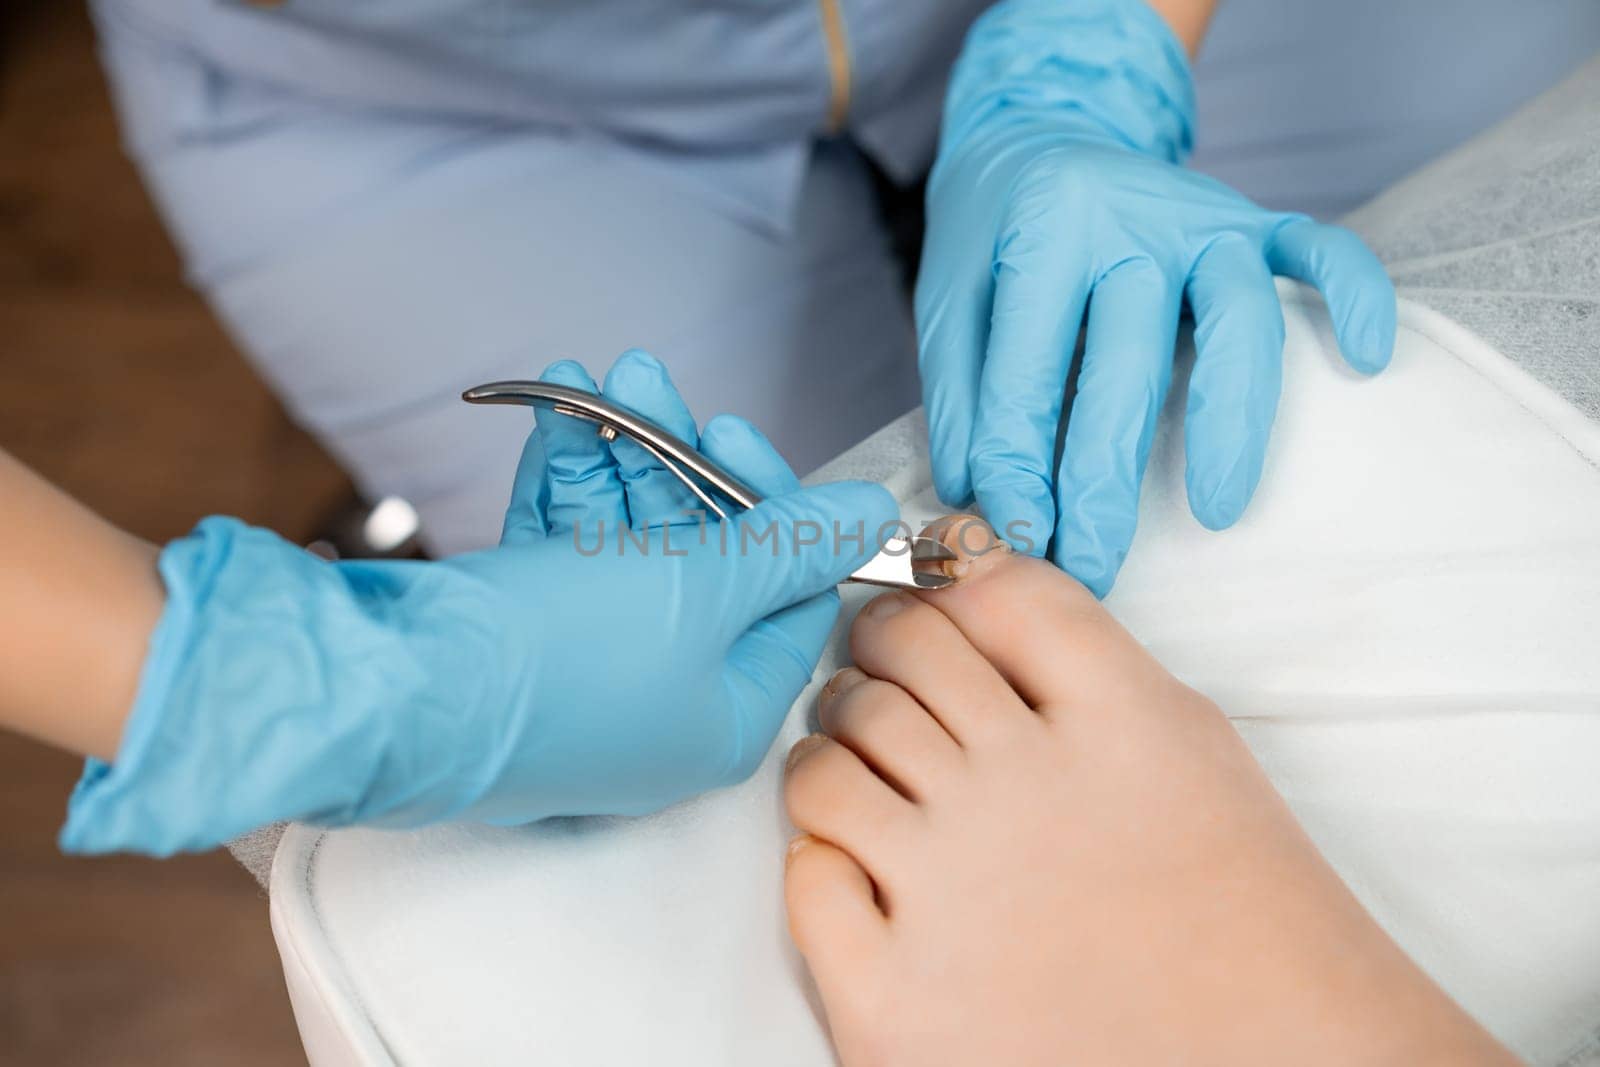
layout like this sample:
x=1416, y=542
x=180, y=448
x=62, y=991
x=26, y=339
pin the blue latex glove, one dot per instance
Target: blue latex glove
x=542, y=678
x=1058, y=189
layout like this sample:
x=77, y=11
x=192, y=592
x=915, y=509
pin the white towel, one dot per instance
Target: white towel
x=1405, y=627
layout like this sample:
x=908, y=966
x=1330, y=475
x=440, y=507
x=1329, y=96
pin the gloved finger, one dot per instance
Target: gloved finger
x=737, y=446
x=766, y=670
x=773, y=660
x=575, y=482
x=1040, y=290
x=1127, y=366
x=526, y=516
x=655, y=496
x=952, y=313
x=1352, y=280
x=1238, y=374
x=796, y=545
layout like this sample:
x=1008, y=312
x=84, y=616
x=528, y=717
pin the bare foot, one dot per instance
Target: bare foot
x=1027, y=843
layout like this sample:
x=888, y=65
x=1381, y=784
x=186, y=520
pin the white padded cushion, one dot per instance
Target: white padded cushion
x=1404, y=627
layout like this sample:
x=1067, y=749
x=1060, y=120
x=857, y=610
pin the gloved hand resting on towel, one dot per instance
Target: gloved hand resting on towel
x=1058, y=195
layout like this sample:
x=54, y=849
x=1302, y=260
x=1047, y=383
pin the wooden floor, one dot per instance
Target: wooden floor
x=115, y=382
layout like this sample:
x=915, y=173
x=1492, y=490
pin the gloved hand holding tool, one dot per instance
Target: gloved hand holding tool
x=560, y=673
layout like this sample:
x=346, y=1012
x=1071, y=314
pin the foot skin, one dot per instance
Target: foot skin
x=1024, y=842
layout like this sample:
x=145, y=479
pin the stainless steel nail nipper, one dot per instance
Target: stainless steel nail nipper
x=901, y=563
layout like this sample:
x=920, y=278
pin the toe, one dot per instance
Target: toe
x=905, y=641
x=1047, y=635
x=833, y=912
x=838, y=927
x=830, y=793
x=891, y=733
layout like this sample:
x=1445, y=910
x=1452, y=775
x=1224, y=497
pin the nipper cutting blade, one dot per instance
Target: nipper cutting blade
x=907, y=563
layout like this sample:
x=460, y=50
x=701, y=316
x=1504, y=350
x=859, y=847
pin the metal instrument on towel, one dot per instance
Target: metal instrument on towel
x=901, y=563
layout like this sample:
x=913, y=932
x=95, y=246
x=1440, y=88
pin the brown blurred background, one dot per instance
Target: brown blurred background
x=116, y=383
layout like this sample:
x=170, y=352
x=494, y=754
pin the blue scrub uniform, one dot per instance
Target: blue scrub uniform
x=388, y=202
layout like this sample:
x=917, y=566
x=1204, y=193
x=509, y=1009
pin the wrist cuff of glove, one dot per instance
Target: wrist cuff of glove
x=242, y=715
x=1114, y=66
x=107, y=811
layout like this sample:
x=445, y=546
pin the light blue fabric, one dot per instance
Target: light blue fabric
x=1305, y=105
x=577, y=669
x=727, y=96
x=372, y=266
x=1058, y=199
x=381, y=220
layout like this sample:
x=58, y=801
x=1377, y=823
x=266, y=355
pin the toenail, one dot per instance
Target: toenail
x=843, y=680
x=802, y=748
x=796, y=843
x=886, y=605
x=974, y=541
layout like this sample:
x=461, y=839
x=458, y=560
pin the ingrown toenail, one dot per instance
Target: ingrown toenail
x=972, y=537
x=803, y=748
x=973, y=541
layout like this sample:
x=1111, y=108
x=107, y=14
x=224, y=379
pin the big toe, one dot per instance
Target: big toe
x=1047, y=635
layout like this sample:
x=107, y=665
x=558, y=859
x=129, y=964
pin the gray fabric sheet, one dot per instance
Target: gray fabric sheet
x=255, y=850
x=1503, y=236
